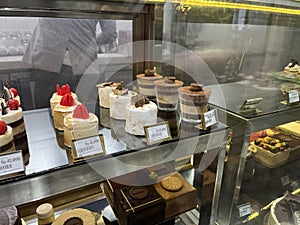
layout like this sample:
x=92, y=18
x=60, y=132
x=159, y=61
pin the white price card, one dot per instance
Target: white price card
x=210, y=118
x=88, y=146
x=293, y=96
x=158, y=132
x=245, y=209
x=11, y=163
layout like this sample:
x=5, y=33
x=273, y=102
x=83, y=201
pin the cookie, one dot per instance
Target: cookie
x=172, y=183
x=138, y=193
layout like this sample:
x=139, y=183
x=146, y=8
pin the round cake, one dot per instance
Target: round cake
x=146, y=80
x=104, y=90
x=119, y=99
x=76, y=217
x=10, y=216
x=285, y=210
x=6, y=138
x=65, y=107
x=139, y=113
x=79, y=124
x=193, y=102
x=167, y=93
x=60, y=92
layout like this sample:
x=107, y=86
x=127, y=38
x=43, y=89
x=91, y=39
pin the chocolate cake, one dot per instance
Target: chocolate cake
x=10, y=216
x=146, y=82
x=193, y=102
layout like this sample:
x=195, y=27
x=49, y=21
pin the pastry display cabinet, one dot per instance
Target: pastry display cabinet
x=237, y=50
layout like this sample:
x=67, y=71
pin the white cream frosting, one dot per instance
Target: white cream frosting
x=118, y=104
x=75, y=128
x=295, y=68
x=55, y=99
x=6, y=137
x=12, y=115
x=138, y=117
x=103, y=92
x=59, y=112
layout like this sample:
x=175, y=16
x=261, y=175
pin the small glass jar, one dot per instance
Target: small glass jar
x=45, y=214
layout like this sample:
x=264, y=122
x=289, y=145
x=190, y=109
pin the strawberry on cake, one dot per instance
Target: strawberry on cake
x=79, y=124
x=6, y=138
x=60, y=92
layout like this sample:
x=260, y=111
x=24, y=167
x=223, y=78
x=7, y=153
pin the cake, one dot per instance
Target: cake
x=285, y=210
x=104, y=90
x=146, y=80
x=139, y=113
x=10, y=216
x=119, y=98
x=79, y=124
x=193, y=102
x=12, y=115
x=6, y=138
x=178, y=194
x=167, y=93
x=65, y=107
x=60, y=92
x=76, y=216
x=292, y=67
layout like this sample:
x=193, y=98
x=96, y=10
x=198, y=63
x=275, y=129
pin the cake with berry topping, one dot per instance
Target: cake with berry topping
x=119, y=99
x=140, y=112
x=146, y=80
x=60, y=92
x=104, y=90
x=6, y=138
x=15, y=94
x=79, y=124
x=65, y=107
x=12, y=114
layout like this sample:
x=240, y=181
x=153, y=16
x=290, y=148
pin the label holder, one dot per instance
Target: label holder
x=11, y=160
x=152, y=133
x=250, y=105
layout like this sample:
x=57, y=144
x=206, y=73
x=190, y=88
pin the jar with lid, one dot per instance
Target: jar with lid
x=45, y=214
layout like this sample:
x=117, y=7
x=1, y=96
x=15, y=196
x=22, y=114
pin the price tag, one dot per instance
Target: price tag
x=158, y=132
x=245, y=209
x=88, y=147
x=11, y=163
x=293, y=96
x=210, y=118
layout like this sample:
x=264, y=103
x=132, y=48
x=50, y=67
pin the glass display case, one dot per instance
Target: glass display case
x=235, y=138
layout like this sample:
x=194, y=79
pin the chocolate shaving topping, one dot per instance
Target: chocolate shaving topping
x=149, y=72
x=3, y=107
x=107, y=84
x=170, y=80
x=196, y=87
x=139, y=100
x=120, y=86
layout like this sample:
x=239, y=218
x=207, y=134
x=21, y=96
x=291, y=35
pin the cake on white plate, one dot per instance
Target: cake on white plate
x=119, y=98
x=140, y=113
x=79, y=124
x=104, y=90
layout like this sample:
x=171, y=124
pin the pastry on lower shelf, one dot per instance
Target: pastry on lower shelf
x=65, y=107
x=167, y=93
x=79, y=124
x=60, y=92
x=12, y=115
x=76, y=216
x=10, y=216
x=285, y=210
x=193, y=102
x=6, y=138
x=104, y=90
x=119, y=98
x=146, y=80
x=140, y=113
x=292, y=67
x=178, y=194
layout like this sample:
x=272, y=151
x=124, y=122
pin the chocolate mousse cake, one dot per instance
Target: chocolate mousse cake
x=10, y=216
x=167, y=93
x=6, y=138
x=146, y=80
x=193, y=102
x=140, y=112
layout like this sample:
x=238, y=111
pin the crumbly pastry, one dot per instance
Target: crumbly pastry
x=76, y=217
x=140, y=113
x=146, y=80
x=172, y=183
x=167, y=93
x=104, y=90
x=193, y=102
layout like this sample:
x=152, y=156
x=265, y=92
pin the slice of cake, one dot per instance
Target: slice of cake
x=65, y=107
x=12, y=114
x=119, y=98
x=146, y=80
x=6, y=138
x=60, y=92
x=139, y=113
x=193, y=102
x=104, y=90
x=167, y=93
x=79, y=124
